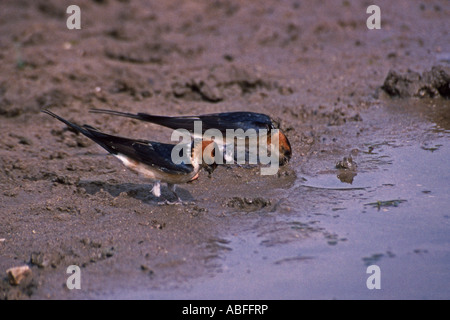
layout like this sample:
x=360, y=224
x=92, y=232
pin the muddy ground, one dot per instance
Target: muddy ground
x=337, y=89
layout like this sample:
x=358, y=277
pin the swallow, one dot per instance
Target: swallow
x=219, y=121
x=151, y=159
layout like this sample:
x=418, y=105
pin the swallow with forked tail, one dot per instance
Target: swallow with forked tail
x=219, y=121
x=151, y=159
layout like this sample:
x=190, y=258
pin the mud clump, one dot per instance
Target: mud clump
x=222, y=83
x=347, y=169
x=339, y=117
x=197, y=90
x=248, y=204
x=346, y=163
x=45, y=260
x=429, y=84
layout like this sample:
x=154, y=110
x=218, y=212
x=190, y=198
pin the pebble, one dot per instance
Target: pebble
x=17, y=274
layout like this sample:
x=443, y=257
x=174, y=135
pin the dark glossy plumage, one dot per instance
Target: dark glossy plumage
x=151, y=153
x=220, y=121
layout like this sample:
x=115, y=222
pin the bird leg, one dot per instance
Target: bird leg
x=172, y=188
x=156, y=190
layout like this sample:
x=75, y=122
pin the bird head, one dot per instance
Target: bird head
x=204, y=153
x=209, y=156
x=285, y=149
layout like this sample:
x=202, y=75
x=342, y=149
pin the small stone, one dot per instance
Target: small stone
x=144, y=267
x=17, y=274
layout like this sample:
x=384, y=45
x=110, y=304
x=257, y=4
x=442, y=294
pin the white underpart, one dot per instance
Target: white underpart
x=156, y=190
x=137, y=168
x=124, y=160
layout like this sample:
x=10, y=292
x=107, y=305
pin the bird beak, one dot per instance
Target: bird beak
x=210, y=168
x=285, y=160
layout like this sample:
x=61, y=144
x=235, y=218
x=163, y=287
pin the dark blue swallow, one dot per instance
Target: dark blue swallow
x=151, y=159
x=219, y=121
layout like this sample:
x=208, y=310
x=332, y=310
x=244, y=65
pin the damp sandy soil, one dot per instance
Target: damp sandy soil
x=366, y=111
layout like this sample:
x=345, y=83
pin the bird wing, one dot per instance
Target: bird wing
x=150, y=153
x=220, y=121
x=236, y=120
x=170, y=122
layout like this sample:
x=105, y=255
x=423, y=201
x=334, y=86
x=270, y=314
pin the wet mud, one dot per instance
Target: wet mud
x=366, y=112
x=435, y=82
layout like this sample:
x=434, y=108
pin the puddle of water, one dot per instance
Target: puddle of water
x=409, y=240
x=394, y=214
x=406, y=233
